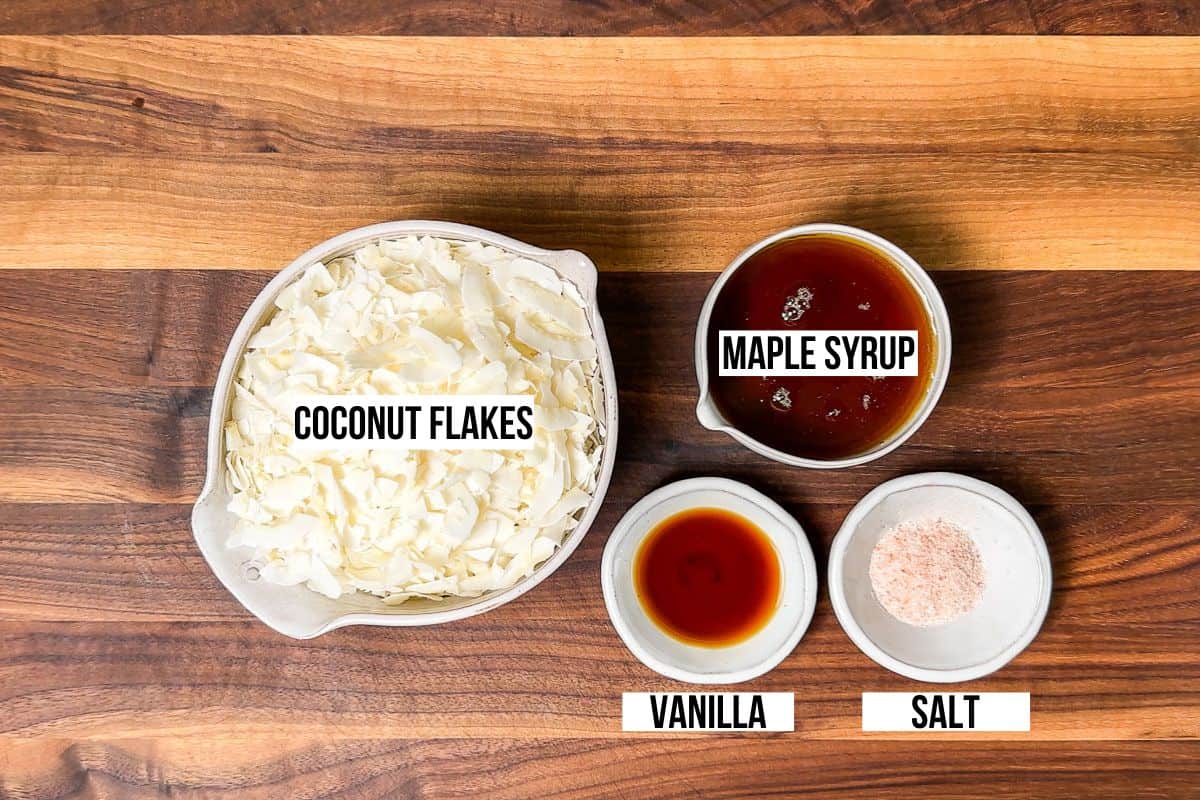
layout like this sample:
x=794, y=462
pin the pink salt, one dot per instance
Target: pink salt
x=927, y=572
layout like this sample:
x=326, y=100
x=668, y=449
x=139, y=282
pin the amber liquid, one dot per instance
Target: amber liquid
x=708, y=577
x=850, y=286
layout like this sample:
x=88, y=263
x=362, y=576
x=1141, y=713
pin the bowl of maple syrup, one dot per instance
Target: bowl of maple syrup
x=708, y=581
x=822, y=277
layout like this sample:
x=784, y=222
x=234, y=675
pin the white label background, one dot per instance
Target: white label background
x=423, y=441
x=994, y=711
x=779, y=709
x=819, y=369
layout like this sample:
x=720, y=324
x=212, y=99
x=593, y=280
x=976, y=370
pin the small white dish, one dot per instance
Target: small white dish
x=710, y=416
x=710, y=665
x=299, y=612
x=1016, y=564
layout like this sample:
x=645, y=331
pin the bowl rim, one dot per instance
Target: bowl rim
x=952, y=480
x=646, y=506
x=585, y=281
x=712, y=419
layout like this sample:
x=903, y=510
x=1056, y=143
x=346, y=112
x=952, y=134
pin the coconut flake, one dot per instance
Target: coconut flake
x=412, y=316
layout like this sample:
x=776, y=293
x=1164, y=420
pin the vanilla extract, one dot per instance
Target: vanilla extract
x=708, y=577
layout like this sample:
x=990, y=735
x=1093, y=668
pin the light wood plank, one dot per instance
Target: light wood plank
x=623, y=18
x=665, y=212
x=557, y=98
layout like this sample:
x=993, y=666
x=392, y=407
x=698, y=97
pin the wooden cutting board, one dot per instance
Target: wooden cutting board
x=152, y=185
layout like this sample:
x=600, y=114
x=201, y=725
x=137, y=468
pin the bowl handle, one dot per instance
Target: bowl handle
x=709, y=416
x=577, y=268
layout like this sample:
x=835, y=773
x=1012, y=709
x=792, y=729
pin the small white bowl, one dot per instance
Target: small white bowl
x=299, y=612
x=1016, y=565
x=710, y=416
x=684, y=662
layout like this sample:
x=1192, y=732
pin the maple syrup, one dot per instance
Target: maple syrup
x=820, y=282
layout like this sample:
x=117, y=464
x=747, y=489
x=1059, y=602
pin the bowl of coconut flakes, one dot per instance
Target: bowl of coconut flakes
x=313, y=540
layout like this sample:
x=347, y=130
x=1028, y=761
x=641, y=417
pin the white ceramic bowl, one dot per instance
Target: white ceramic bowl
x=1017, y=571
x=710, y=416
x=684, y=662
x=300, y=612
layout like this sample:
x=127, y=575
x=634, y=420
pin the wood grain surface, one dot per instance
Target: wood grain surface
x=1114, y=493
x=671, y=212
x=1128, y=381
x=607, y=18
x=1130, y=564
x=144, y=642
x=1017, y=153
x=507, y=769
x=635, y=98
x=153, y=185
x=168, y=329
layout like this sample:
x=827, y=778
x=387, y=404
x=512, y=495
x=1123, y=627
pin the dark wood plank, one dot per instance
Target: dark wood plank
x=122, y=328
x=1125, y=564
x=106, y=562
x=578, y=769
x=613, y=18
x=1056, y=402
x=635, y=98
x=1047, y=445
x=515, y=674
x=1011, y=330
x=146, y=445
x=169, y=328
